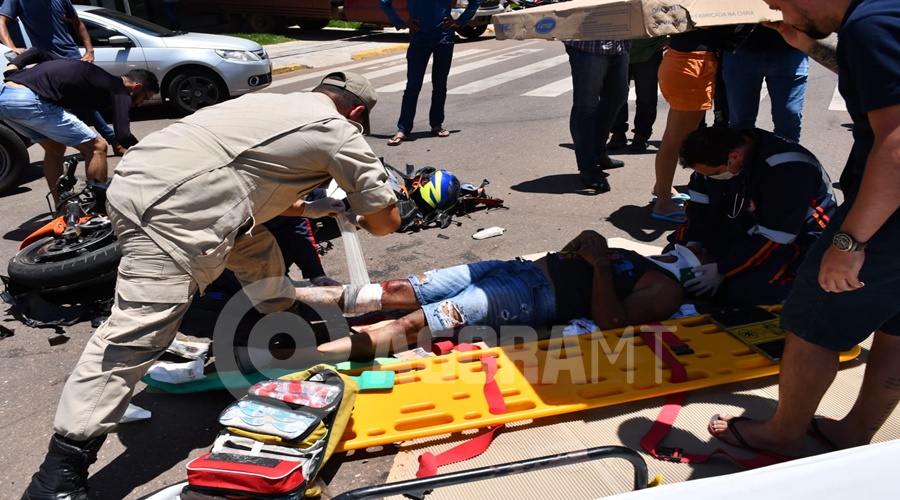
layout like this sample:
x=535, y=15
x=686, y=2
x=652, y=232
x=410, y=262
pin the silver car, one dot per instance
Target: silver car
x=194, y=69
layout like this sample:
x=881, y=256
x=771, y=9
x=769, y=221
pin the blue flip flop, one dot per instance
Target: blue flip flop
x=671, y=216
x=679, y=198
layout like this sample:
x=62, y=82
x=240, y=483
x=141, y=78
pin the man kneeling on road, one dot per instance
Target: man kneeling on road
x=34, y=101
x=758, y=201
x=586, y=279
x=186, y=203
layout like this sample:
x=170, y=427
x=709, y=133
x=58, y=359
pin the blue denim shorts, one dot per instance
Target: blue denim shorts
x=39, y=120
x=492, y=293
x=838, y=321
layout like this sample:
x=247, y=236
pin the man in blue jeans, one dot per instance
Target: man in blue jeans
x=432, y=32
x=765, y=55
x=35, y=100
x=600, y=88
x=47, y=25
x=586, y=279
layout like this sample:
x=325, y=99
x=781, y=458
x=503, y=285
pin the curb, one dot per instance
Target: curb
x=288, y=68
x=377, y=52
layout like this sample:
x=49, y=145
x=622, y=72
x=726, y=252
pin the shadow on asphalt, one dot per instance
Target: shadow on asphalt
x=554, y=184
x=181, y=424
x=636, y=221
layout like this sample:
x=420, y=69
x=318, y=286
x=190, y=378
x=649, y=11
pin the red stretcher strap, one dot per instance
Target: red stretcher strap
x=671, y=408
x=429, y=463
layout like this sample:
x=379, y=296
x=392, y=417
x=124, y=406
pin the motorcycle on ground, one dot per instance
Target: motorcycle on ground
x=75, y=249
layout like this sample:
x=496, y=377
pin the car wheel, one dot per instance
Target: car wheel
x=13, y=159
x=195, y=89
x=472, y=31
x=312, y=24
x=265, y=23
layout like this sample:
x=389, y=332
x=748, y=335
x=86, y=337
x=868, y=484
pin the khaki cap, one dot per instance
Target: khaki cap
x=357, y=85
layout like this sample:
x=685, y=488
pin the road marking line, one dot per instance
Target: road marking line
x=837, y=102
x=400, y=86
x=509, y=76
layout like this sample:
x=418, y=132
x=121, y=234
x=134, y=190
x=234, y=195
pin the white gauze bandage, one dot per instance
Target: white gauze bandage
x=360, y=299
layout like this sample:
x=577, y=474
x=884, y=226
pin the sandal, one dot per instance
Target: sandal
x=397, y=139
x=440, y=132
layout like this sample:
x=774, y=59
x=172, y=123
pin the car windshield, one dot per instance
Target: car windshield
x=135, y=23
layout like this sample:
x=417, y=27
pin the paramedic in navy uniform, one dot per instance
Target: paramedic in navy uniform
x=758, y=201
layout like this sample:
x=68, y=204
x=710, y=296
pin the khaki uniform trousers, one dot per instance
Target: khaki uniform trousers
x=152, y=295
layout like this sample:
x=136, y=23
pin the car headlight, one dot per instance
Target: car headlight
x=237, y=55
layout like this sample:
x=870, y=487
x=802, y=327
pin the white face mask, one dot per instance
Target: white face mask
x=724, y=176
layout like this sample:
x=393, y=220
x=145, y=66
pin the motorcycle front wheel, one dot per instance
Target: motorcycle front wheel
x=58, y=263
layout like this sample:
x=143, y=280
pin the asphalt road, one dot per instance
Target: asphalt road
x=508, y=114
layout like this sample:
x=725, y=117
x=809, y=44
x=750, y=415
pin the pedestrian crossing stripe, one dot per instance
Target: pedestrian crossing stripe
x=388, y=66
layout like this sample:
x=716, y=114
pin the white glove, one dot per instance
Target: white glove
x=351, y=216
x=707, y=280
x=325, y=207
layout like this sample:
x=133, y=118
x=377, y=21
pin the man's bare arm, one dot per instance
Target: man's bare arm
x=85, y=39
x=5, y=38
x=382, y=222
x=878, y=200
x=823, y=52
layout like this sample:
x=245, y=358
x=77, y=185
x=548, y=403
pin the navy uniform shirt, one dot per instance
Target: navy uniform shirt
x=777, y=206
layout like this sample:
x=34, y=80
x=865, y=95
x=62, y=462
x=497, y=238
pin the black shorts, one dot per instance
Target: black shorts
x=838, y=321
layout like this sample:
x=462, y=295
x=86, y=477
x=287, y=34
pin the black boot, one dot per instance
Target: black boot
x=64, y=473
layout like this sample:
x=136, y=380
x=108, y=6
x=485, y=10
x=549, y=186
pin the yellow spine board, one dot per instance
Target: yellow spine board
x=444, y=394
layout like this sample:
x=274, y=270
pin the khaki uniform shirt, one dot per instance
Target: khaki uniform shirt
x=194, y=184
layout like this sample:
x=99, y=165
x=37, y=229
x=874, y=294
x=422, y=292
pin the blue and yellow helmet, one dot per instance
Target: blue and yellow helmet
x=441, y=192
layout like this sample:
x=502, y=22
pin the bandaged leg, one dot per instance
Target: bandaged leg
x=358, y=299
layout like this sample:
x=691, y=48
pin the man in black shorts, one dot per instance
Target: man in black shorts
x=849, y=284
x=586, y=279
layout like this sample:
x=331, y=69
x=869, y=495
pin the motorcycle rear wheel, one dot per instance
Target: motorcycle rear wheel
x=55, y=263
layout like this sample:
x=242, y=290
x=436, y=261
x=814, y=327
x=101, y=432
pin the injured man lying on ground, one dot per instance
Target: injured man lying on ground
x=586, y=279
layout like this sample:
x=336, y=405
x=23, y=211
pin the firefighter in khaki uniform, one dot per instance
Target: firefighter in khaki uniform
x=189, y=201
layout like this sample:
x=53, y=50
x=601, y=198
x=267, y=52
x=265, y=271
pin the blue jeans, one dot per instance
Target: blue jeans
x=417, y=56
x=600, y=88
x=492, y=293
x=646, y=90
x=785, y=73
x=95, y=119
x=40, y=120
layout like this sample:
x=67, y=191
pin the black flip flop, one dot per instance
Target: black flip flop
x=815, y=432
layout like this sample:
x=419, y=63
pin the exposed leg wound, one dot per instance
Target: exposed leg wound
x=451, y=315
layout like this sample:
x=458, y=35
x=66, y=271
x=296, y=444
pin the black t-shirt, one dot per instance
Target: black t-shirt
x=75, y=84
x=701, y=40
x=573, y=279
x=868, y=56
x=764, y=39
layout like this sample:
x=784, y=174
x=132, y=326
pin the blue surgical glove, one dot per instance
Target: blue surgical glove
x=707, y=280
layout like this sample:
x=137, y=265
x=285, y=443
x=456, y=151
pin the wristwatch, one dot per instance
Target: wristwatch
x=846, y=243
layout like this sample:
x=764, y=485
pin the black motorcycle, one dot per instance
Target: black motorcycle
x=77, y=248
